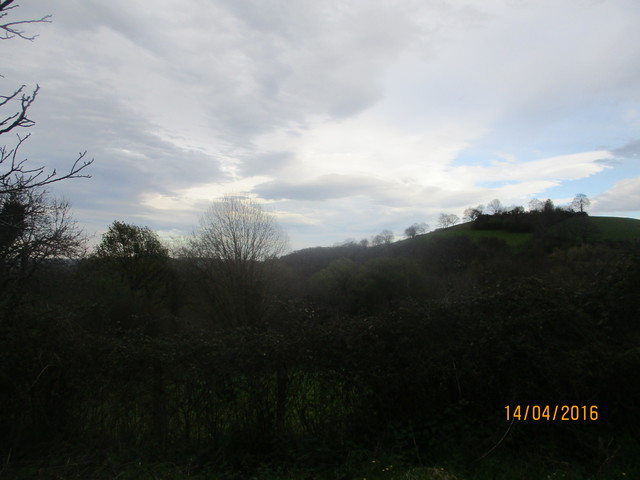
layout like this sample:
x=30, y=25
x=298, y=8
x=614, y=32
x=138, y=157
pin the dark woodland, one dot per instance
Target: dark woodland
x=325, y=356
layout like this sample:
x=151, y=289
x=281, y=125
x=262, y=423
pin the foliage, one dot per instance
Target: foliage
x=136, y=253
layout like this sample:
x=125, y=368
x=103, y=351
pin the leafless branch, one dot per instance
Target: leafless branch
x=16, y=175
x=18, y=119
x=10, y=97
x=13, y=29
x=19, y=177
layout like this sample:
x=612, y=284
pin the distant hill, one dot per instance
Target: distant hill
x=594, y=229
x=572, y=231
x=616, y=228
x=513, y=239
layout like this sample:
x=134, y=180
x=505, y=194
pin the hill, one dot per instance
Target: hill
x=455, y=260
x=578, y=228
x=574, y=230
x=513, y=239
x=616, y=228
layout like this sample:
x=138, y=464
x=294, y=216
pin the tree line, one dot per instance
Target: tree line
x=494, y=208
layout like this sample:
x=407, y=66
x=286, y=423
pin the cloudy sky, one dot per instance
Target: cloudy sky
x=342, y=117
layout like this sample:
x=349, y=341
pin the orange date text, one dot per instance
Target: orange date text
x=552, y=412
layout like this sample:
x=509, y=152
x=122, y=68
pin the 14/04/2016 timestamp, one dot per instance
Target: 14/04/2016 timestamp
x=552, y=412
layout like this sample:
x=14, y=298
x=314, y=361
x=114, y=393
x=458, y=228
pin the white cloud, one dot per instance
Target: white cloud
x=624, y=196
x=552, y=169
x=345, y=116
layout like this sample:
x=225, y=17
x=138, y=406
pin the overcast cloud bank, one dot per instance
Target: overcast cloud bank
x=344, y=118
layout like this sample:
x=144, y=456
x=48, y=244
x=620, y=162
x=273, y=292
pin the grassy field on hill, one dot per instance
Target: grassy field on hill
x=616, y=228
x=601, y=229
x=514, y=239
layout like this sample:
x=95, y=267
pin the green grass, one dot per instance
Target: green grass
x=513, y=239
x=603, y=229
x=616, y=228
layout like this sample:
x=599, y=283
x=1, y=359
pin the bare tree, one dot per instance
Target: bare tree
x=237, y=229
x=580, y=202
x=446, y=220
x=15, y=174
x=495, y=207
x=470, y=214
x=536, y=205
x=234, y=247
x=34, y=228
x=416, y=229
x=385, y=237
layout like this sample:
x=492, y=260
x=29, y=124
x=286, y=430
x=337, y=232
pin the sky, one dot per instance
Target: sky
x=342, y=118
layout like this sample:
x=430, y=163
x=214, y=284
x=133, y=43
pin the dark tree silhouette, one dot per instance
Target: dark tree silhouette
x=136, y=253
x=446, y=220
x=16, y=175
x=385, y=237
x=471, y=214
x=494, y=206
x=234, y=247
x=416, y=229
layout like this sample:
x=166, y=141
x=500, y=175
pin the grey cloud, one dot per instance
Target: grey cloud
x=130, y=81
x=267, y=163
x=117, y=134
x=310, y=59
x=322, y=188
x=608, y=161
x=630, y=150
x=129, y=158
x=254, y=66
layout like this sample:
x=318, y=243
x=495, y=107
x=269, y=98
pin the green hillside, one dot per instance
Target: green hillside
x=570, y=232
x=591, y=229
x=513, y=239
x=616, y=228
